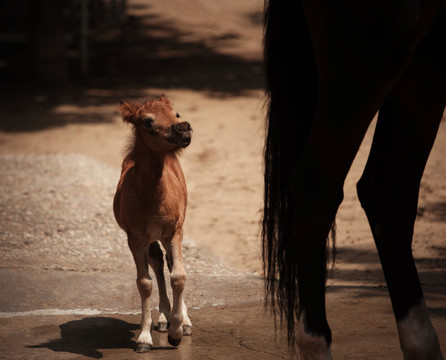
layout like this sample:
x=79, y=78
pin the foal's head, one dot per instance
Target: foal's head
x=158, y=124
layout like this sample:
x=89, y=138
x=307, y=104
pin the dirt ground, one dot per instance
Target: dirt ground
x=206, y=56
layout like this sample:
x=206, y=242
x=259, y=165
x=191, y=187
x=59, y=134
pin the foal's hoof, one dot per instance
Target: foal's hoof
x=172, y=341
x=187, y=330
x=143, y=348
x=162, y=327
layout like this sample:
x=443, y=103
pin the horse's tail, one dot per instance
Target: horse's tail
x=291, y=89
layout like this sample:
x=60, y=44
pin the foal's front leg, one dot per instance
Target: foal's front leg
x=178, y=315
x=145, y=284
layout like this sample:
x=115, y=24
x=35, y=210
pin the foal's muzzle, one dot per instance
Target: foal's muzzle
x=181, y=134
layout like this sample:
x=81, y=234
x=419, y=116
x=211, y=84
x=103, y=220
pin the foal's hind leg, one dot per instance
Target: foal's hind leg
x=144, y=283
x=388, y=191
x=157, y=263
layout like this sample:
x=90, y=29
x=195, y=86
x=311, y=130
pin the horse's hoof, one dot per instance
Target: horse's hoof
x=162, y=327
x=172, y=341
x=187, y=330
x=143, y=348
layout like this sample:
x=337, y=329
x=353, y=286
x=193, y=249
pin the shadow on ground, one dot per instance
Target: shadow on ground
x=88, y=335
x=368, y=268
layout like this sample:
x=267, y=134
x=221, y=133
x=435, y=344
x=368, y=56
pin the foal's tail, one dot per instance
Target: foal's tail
x=291, y=89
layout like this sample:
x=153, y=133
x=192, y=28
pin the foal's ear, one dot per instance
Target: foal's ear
x=128, y=111
x=165, y=100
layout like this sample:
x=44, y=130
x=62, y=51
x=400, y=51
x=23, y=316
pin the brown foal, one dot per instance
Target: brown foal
x=150, y=206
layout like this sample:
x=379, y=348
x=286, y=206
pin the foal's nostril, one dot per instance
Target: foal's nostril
x=182, y=127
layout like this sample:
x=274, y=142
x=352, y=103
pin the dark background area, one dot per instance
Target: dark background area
x=43, y=44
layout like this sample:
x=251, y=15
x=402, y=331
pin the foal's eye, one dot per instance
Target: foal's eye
x=177, y=115
x=147, y=121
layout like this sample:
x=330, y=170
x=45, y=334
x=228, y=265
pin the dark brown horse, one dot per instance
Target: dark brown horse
x=150, y=206
x=330, y=66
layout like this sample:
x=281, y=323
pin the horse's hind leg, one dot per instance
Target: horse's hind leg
x=346, y=107
x=157, y=264
x=388, y=191
x=144, y=283
x=317, y=193
x=355, y=77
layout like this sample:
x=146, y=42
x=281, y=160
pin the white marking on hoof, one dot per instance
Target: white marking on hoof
x=162, y=327
x=311, y=347
x=143, y=348
x=162, y=323
x=187, y=330
x=145, y=338
x=186, y=320
x=417, y=336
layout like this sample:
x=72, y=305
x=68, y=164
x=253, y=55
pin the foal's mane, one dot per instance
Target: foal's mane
x=129, y=149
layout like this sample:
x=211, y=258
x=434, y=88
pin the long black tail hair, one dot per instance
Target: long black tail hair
x=291, y=94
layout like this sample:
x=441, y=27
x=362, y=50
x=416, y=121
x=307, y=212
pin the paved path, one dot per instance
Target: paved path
x=67, y=287
x=223, y=332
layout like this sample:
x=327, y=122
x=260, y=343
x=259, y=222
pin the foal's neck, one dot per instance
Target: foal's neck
x=149, y=164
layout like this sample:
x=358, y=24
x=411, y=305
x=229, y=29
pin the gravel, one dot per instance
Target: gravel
x=56, y=214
